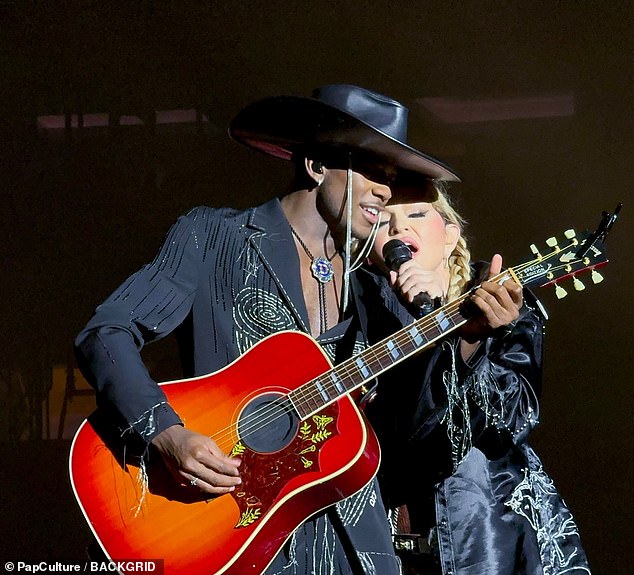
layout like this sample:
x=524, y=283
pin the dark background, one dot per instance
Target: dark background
x=83, y=207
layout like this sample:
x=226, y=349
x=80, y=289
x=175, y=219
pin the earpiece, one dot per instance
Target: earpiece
x=318, y=168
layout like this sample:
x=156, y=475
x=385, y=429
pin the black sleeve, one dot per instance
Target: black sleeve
x=146, y=307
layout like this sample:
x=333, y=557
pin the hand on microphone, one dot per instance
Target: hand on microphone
x=416, y=285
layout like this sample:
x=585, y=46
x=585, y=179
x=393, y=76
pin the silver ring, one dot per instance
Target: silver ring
x=193, y=482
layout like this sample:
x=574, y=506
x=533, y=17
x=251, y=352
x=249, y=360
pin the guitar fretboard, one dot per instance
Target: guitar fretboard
x=354, y=372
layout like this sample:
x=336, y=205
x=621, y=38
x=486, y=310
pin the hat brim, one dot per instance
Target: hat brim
x=283, y=125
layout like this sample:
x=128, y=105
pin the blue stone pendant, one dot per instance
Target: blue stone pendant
x=322, y=270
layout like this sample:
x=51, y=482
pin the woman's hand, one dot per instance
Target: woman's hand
x=411, y=279
x=496, y=305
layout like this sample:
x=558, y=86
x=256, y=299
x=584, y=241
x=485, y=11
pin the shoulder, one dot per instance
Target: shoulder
x=266, y=213
x=204, y=221
x=199, y=231
x=209, y=214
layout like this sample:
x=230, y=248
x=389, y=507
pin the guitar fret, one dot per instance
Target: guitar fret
x=393, y=349
x=322, y=391
x=317, y=393
x=416, y=336
x=382, y=358
x=336, y=382
x=310, y=399
x=406, y=345
x=334, y=390
x=363, y=368
x=443, y=321
x=435, y=331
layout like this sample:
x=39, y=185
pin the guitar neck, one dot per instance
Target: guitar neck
x=372, y=362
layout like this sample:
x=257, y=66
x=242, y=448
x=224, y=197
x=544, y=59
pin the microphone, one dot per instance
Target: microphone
x=395, y=254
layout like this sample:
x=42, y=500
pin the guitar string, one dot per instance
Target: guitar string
x=266, y=414
x=307, y=392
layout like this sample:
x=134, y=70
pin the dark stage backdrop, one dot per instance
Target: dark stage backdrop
x=532, y=106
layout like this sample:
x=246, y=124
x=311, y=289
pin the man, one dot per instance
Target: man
x=226, y=279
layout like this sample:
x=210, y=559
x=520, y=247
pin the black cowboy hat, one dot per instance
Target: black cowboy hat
x=337, y=117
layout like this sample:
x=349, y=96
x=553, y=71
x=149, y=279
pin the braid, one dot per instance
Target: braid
x=459, y=270
x=459, y=260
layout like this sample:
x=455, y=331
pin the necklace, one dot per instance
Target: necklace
x=323, y=272
x=321, y=267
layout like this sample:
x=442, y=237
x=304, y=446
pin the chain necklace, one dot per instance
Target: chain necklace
x=323, y=271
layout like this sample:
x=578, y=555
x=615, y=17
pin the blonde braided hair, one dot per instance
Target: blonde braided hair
x=459, y=260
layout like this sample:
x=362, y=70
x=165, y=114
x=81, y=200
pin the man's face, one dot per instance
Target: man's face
x=369, y=198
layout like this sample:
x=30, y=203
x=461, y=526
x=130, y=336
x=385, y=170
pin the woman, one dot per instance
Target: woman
x=457, y=464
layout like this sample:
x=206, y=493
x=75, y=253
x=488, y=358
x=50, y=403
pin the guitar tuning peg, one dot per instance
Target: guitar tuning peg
x=578, y=284
x=536, y=251
x=597, y=278
x=560, y=292
x=572, y=236
x=552, y=243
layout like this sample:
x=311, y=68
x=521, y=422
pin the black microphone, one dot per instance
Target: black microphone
x=395, y=254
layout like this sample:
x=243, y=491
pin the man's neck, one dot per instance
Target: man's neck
x=300, y=209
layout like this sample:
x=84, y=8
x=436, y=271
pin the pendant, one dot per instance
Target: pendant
x=322, y=270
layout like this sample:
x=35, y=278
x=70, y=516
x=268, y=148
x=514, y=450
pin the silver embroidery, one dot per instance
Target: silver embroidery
x=150, y=424
x=323, y=552
x=258, y=314
x=531, y=499
x=480, y=391
x=458, y=415
x=150, y=428
x=351, y=509
x=330, y=349
x=367, y=564
x=324, y=548
x=252, y=263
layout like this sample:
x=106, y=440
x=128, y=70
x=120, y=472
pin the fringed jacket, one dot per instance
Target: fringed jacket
x=454, y=438
x=224, y=280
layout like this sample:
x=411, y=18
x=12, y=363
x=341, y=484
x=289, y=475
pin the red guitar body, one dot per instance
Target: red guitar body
x=290, y=469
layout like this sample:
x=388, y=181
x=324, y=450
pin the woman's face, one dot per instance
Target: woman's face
x=420, y=226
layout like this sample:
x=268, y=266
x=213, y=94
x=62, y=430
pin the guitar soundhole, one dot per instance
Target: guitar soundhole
x=268, y=423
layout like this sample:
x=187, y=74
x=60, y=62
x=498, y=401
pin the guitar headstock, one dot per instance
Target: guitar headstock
x=569, y=258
